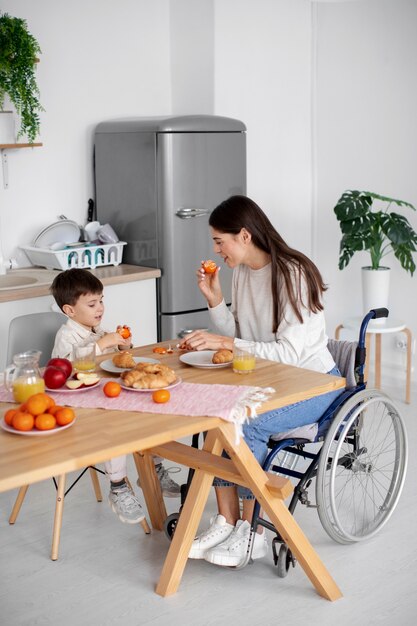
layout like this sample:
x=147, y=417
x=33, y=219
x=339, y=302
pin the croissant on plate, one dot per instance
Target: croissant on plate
x=124, y=359
x=222, y=356
x=149, y=376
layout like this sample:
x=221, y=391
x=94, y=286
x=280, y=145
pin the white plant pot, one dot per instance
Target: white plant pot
x=375, y=290
x=7, y=132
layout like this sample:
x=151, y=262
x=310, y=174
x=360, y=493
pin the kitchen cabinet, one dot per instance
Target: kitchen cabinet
x=132, y=303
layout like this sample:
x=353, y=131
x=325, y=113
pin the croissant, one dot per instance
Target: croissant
x=124, y=359
x=149, y=376
x=222, y=356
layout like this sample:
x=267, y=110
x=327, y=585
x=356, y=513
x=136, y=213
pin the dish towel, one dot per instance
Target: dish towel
x=233, y=403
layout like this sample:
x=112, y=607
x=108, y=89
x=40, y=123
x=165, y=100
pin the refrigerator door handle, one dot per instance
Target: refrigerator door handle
x=185, y=213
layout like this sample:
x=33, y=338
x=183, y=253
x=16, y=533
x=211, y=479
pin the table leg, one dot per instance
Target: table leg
x=378, y=361
x=407, y=332
x=279, y=514
x=151, y=489
x=188, y=522
x=59, y=510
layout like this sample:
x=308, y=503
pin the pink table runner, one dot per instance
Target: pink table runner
x=230, y=402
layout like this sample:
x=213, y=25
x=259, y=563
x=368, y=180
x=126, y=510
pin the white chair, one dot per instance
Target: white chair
x=36, y=331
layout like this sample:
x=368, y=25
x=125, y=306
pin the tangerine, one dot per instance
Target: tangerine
x=8, y=416
x=45, y=421
x=112, y=389
x=209, y=266
x=161, y=396
x=159, y=350
x=124, y=331
x=23, y=421
x=54, y=409
x=38, y=403
x=64, y=416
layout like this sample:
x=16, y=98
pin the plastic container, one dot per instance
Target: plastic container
x=87, y=256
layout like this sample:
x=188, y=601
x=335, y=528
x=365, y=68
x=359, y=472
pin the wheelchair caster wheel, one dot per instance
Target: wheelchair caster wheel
x=170, y=525
x=285, y=559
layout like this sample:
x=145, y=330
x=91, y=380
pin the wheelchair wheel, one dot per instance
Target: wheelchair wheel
x=362, y=467
x=170, y=524
x=285, y=560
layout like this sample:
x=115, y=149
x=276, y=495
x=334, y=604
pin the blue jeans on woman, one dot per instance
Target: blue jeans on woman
x=258, y=431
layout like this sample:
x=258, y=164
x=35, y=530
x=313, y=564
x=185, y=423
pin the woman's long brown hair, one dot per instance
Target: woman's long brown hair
x=288, y=266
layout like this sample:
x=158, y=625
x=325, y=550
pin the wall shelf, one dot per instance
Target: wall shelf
x=4, y=147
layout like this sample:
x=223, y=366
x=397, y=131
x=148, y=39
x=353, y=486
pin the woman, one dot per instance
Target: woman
x=276, y=302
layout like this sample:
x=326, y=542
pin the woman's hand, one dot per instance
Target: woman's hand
x=203, y=340
x=209, y=285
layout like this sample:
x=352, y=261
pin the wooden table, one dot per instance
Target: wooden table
x=99, y=435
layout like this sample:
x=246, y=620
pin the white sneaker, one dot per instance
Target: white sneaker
x=232, y=551
x=126, y=505
x=218, y=531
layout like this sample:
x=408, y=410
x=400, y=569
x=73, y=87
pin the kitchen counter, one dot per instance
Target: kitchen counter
x=109, y=275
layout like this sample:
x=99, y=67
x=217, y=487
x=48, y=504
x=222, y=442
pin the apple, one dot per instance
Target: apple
x=90, y=380
x=54, y=377
x=73, y=384
x=62, y=364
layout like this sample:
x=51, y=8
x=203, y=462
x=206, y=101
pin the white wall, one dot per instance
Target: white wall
x=262, y=76
x=367, y=140
x=192, y=56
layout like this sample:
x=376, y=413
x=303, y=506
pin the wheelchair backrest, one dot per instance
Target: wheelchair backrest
x=343, y=353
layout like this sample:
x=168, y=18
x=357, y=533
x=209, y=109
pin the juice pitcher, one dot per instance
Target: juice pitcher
x=24, y=377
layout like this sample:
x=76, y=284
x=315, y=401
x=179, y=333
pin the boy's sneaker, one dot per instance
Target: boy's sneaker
x=169, y=487
x=218, y=531
x=232, y=552
x=126, y=505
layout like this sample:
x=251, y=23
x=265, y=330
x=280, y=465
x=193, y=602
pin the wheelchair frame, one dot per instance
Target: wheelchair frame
x=357, y=429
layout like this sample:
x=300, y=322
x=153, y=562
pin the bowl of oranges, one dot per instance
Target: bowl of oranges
x=38, y=416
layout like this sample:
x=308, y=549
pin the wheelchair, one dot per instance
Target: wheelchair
x=358, y=461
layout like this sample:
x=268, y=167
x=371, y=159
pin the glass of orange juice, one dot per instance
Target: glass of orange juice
x=244, y=360
x=84, y=357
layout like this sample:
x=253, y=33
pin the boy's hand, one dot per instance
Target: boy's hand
x=114, y=340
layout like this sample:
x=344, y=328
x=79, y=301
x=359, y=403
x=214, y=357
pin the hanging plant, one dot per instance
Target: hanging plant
x=18, y=57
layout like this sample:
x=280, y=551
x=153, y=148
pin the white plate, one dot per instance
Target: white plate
x=63, y=231
x=171, y=386
x=34, y=432
x=202, y=358
x=67, y=390
x=109, y=366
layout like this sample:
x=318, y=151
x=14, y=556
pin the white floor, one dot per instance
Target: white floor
x=107, y=570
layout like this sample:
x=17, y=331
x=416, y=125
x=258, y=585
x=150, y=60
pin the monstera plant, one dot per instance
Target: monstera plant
x=379, y=231
x=18, y=57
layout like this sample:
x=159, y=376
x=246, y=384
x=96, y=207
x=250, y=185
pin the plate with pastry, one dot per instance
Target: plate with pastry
x=124, y=361
x=208, y=358
x=148, y=377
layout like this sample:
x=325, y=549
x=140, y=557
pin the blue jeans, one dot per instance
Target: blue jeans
x=258, y=431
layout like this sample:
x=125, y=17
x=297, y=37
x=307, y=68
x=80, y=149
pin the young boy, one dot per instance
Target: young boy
x=79, y=294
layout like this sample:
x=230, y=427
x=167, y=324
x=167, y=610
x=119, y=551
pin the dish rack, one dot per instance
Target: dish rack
x=88, y=256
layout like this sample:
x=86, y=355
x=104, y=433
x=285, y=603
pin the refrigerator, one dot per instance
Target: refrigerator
x=156, y=182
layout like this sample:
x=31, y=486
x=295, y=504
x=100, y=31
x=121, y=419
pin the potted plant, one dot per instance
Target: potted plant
x=18, y=56
x=378, y=231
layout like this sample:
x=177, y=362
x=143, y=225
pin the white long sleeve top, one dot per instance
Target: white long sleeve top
x=251, y=316
x=73, y=334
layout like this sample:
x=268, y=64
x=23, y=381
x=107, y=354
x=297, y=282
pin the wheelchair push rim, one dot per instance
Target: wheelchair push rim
x=362, y=467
